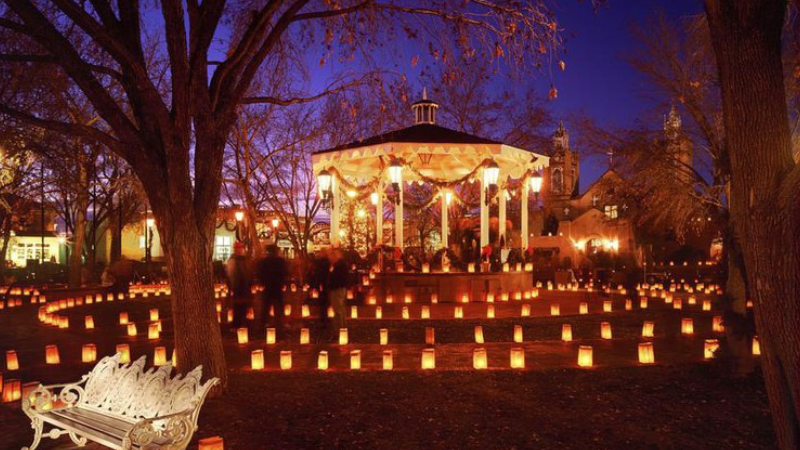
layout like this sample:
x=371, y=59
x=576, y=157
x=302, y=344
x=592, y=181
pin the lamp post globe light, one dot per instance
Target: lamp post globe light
x=324, y=182
x=62, y=241
x=275, y=222
x=536, y=183
x=395, y=174
x=491, y=174
x=148, y=243
x=238, y=215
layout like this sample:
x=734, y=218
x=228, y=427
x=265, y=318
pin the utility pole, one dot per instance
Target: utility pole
x=41, y=253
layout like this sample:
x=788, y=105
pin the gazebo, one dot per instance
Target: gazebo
x=380, y=167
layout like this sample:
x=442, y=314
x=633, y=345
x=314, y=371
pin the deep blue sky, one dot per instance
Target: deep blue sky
x=598, y=81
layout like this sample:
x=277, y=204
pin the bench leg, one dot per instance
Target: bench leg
x=79, y=441
x=37, y=425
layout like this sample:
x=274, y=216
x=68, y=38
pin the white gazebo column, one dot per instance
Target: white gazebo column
x=445, y=226
x=524, y=213
x=484, y=217
x=398, y=219
x=379, y=216
x=335, y=238
x=501, y=218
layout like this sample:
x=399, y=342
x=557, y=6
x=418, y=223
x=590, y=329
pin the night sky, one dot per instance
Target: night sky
x=598, y=82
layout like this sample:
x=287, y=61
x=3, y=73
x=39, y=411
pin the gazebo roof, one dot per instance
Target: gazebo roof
x=428, y=153
x=424, y=132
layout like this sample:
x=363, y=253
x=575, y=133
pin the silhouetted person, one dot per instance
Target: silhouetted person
x=321, y=269
x=239, y=284
x=337, y=287
x=272, y=272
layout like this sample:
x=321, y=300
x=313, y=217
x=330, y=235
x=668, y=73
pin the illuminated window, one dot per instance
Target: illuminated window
x=593, y=245
x=31, y=251
x=595, y=199
x=222, y=247
x=610, y=211
x=557, y=181
x=574, y=179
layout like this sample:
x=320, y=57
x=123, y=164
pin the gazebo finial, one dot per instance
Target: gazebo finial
x=424, y=93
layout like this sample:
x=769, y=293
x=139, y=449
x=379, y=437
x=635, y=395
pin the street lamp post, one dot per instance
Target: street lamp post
x=148, y=244
x=396, y=178
x=239, y=216
x=41, y=181
x=535, y=183
x=62, y=240
x=275, y=223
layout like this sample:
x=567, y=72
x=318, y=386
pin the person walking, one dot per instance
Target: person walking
x=240, y=282
x=337, y=287
x=272, y=273
x=321, y=270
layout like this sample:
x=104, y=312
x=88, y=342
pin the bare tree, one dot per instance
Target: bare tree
x=664, y=190
x=174, y=138
x=270, y=170
x=17, y=186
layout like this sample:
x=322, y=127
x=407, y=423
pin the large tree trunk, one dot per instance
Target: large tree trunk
x=197, y=334
x=115, y=252
x=736, y=321
x=79, y=230
x=746, y=37
x=186, y=224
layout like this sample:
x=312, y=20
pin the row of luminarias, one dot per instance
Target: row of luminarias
x=13, y=390
x=648, y=327
x=154, y=330
x=89, y=351
x=155, y=327
x=480, y=358
x=458, y=311
x=221, y=291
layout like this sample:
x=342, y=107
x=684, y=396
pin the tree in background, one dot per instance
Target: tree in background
x=663, y=190
x=17, y=187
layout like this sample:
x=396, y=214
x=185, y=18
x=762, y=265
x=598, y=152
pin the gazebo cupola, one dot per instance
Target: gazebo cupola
x=425, y=110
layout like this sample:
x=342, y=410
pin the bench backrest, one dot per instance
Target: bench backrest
x=131, y=392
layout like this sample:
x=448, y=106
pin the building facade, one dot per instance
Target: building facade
x=576, y=227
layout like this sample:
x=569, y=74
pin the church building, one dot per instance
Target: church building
x=578, y=226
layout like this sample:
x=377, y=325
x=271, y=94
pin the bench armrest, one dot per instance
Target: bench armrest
x=52, y=397
x=176, y=428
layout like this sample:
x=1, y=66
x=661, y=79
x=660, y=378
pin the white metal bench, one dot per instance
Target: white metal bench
x=121, y=406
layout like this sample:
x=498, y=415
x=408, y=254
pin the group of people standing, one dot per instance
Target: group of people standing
x=330, y=276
